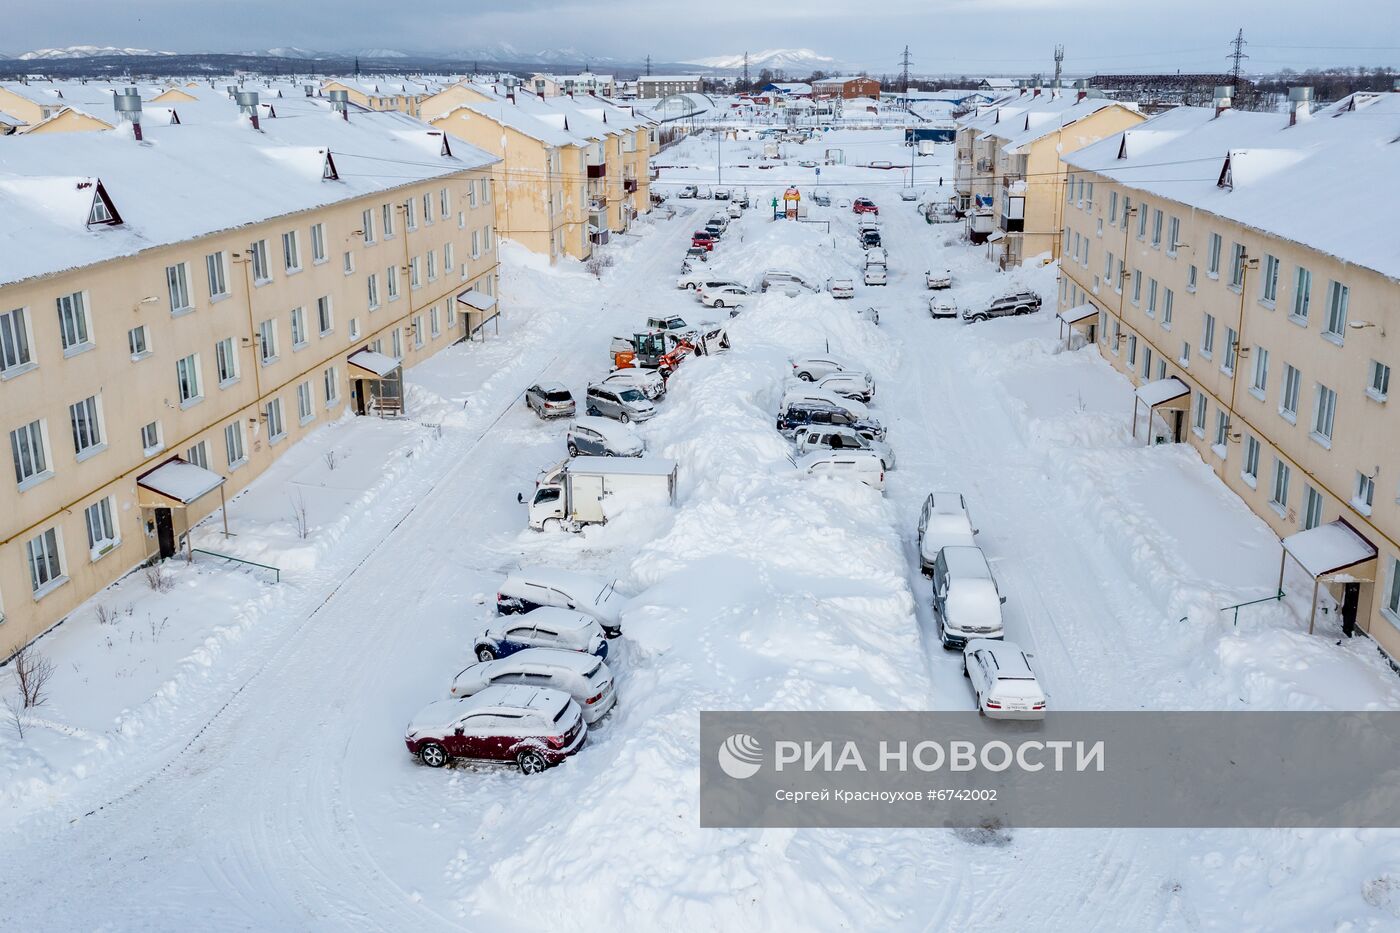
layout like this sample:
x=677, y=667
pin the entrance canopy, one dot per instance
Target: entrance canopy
x=176, y=483
x=1078, y=313
x=1161, y=391
x=378, y=365
x=480, y=301
x=1329, y=549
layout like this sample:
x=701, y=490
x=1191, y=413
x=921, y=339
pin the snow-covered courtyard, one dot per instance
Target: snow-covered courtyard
x=224, y=751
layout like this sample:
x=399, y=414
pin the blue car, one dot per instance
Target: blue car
x=546, y=627
x=796, y=416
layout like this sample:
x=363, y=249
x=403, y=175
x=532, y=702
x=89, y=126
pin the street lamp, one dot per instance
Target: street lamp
x=1362, y=325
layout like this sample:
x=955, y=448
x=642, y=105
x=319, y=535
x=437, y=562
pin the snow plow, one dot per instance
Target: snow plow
x=663, y=351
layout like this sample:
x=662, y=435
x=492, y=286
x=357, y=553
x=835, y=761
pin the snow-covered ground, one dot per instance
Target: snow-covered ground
x=228, y=754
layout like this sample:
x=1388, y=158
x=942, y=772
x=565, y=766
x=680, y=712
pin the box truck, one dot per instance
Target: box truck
x=586, y=490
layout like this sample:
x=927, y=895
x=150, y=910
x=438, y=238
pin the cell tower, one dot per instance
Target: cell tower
x=746, y=69
x=648, y=66
x=1237, y=57
x=904, y=72
x=1059, y=63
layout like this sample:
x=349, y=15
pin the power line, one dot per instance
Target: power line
x=1237, y=57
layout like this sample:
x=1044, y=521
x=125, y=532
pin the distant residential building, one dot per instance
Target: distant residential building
x=401, y=94
x=651, y=87
x=846, y=88
x=997, y=84
x=585, y=82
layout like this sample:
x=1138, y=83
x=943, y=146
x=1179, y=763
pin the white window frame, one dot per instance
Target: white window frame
x=74, y=323
x=330, y=385
x=1338, y=299
x=267, y=341
x=257, y=255
x=318, y=243
x=29, y=451
x=235, y=444
x=89, y=432
x=1378, y=381
x=45, y=559
x=306, y=405
x=103, y=530
x=177, y=286
x=298, y=328
x=325, y=315
x=226, y=363
x=153, y=440
x=187, y=375
x=276, y=426
x=291, y=252
x=16, y=343
x=1324, y=415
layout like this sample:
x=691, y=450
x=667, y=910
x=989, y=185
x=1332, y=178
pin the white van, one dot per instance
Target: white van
x=864, y=465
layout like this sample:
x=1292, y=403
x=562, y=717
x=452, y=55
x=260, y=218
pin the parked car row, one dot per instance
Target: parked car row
x=1005, y=306
x=825, y=415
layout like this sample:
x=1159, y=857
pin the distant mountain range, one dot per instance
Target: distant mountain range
x=802, y=61
x=83, y=51
x=499, y=52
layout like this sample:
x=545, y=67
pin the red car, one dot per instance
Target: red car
x=864, y=206
x=701, y=238
x=535, y=727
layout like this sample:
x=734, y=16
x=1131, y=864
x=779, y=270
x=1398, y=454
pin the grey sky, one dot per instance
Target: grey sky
x=943, y=35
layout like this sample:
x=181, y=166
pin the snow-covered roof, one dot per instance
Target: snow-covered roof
x=630, y=466
x=478, y=300
x=644, y=79
x=1282, y=179
x=1329, y=548
x=378, y=363
x=212, y=172
x=1161, y=391
x=845, y=79
x=181, y=480
x=1039, y=124
x=1077, y=313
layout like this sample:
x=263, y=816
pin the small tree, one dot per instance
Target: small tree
x=32, y=673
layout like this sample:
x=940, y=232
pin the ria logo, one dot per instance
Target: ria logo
x=740, y=756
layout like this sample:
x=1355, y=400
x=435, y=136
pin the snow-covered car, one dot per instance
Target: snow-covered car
x=876, y=273
x=535, y=727
x=689, y=191
x=698, y=278
x=585, y=678
x=694, y=254
x=624, y=403
x=533, y=587
x=943, y=522
x=802, y=392
x=841, y=288
x=721, y=194
x=864, y=465
x=939, y=309
x=549, y=400
x=821, y=199
x=1002, y=680
x=938, y=280
x=876, y=256
x=854, y=385
x=703, y=239
x=870, y=239
x=966, y=601
x=864, y=206
x=793, y=418
x=671, y=323
x=720, y=218
x=542, y=627
x=1005, y=306
x=649, y=381
x=869, y=314
x=941, y=213
x=807, y=163
x=812, y=367
x=908, y=194
x=603, y=437
x=789, y=283
x=840, y=437
x=723, y=296
x=735, y=211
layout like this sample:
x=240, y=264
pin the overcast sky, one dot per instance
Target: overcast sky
x=944, y=35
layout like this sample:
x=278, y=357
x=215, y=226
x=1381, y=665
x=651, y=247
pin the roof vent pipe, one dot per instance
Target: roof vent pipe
x=1223, y=94
x=310, y=89
x=1081, y=90
x=127, y=103
x=1396, y=85
x=1299, y=104
x=231, y=90
x=340, y=103
x=248, y=104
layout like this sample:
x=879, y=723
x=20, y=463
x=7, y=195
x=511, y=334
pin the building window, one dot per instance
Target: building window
x=233, y=444
x=291, y=252
x=391, y=278
x=101, y=529
x=432, y=265
x=298, y=328
x=354, y=328
x=476, y=244
x=1185, y=358
x=444, y=204
x=417, y=331
x=187, y=380
x=1208, y=336
x=1250, y=472
x=1237, y=261
x=199, y=455
x=1107, y=266
x=1137, y=286
x=1167, y=300
x=397, y=343
x=414, y=277
x=138, y=341
x=1112, y=208
x=1198, y=415
x=485, y=184
x=226, y=362
x=1338, y=296
x=372, y=287
x=1222, y=432
x=471, y=195
x=490, y=240
x=151, y=442
x=73, y=323
x=1324, y=415
x=30, y=454
x=318, y=243
x=435, y=320
x=216, y=271
x=45, y=562
x=348, y=265
x=1157, y=229
x=1173, y=235
x=367, y=226
x=267, y=341
x=1260, y=384
x=1288, y=402
x=15, y=355
x=1213, y=257
x=1151, y=297
x=1142, y=222
x=1392, y=592
x=330, y=382
x=324, y=319
x=1232, y=349
x=386, y=214
x=87, y=427
x=1283, y=475
x=1146, y=363
x=272, y=411
x=1365, y=495
x=1312, y=507
x=1268, y=289
x=410, y=211
x=1378, y=384
x=427, y=208
x=1302, y=295
x=449, y=259
x=177, y=281
x=262, y=272
x=305, y=409
x=1132, y=349
x=1191, y=278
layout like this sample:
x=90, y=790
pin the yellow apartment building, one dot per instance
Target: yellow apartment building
x=1222, y=261
x=180, y=306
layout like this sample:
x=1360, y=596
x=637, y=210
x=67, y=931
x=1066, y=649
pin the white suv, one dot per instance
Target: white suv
x=1002, y=680
x=943, y=522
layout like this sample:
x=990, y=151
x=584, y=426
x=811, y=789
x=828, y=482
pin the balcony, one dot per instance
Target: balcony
x=629, y=185
x=598, y=171
x=597, y=203
x=984, y=165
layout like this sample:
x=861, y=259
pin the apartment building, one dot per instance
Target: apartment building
x=652, y=87
x=406, y=95
x=585, y=82
x=180, y=303
x=573, y=169
x=1009, y=172
x=1236, y=266
x=847, y=88
x=53, y=107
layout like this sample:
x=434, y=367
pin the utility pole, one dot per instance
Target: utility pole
x=1059, y=63
x=1237, y=58
x=904, y=74
x=746, y=71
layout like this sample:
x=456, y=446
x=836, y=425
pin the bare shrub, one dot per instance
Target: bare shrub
x=597, y=263
x=299, y=520
x=17, y=716
x=157, y=628
x=159, y=579
x=330, y=458
x=105, y=616
x=32, y=673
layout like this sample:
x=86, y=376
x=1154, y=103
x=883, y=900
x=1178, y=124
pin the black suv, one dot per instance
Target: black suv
x=800, y=415
x=1019, y=303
